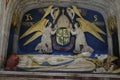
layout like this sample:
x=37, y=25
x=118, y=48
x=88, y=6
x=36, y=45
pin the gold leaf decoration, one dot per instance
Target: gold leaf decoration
x=112, y=24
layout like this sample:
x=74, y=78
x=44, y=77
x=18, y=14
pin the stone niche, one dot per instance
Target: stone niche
x=18, y=16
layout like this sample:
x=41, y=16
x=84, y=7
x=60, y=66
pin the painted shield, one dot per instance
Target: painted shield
x=63, y=36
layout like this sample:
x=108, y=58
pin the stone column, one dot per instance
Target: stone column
x=117, y=2
x=5, y=23
x=2, y=11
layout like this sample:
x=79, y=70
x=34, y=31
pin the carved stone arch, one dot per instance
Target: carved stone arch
x=106, y=7
x=24, y=5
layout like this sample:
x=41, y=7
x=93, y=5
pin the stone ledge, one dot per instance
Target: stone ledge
x=56, y=75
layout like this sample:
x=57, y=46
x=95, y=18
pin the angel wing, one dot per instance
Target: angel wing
x=87, y=26
x=54, y=13
x=47, y=11
x=70, y=13
x=38, y=27
x=76, y=10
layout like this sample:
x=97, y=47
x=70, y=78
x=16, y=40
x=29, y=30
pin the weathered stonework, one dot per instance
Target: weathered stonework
x=105, y=7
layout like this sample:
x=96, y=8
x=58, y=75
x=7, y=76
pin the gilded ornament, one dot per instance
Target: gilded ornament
x=112, y=24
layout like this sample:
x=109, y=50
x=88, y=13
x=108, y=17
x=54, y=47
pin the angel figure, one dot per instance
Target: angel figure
x=41, y=29
x=85, y=26
x=45, y=46
x=80, y=43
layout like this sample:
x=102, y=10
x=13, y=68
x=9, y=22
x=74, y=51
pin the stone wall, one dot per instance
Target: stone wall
x=106, y=7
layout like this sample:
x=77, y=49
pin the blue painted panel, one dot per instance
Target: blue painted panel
x=36, y=14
